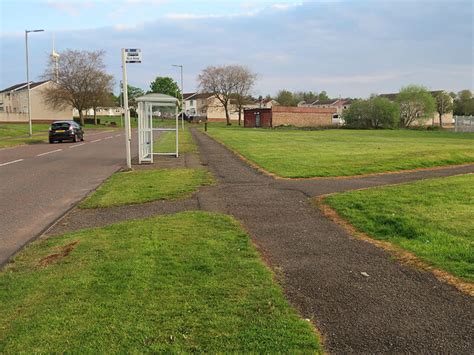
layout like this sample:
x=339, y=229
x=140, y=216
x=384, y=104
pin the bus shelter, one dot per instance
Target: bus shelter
x=153, y=109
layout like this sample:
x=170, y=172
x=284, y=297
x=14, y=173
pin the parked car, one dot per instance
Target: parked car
x=65, y=130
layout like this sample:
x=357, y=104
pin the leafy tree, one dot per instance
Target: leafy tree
x=416, y=104
x=101, y=87
x=80, y=76
x=133, y=93
x=225, y=83
x=323, y=95
x=376, y=112
x=286, y=98
x=444, y=104
x=165, y=85
x=464, y=103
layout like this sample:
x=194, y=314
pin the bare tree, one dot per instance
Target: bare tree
x=444, y=105
x=226, y=82
x=78, y=74
x=101, y=87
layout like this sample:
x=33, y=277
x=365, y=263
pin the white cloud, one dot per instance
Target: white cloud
x=189, y=16
x=70, y=8
x=286, y=6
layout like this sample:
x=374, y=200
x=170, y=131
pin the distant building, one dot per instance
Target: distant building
x=338, y=104
x=204, y=104
x=14, y=104
x=448, y=118
x=289, y=116
x=102, y=111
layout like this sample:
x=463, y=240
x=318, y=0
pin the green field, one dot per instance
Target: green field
x=434, y=219
x=166, y=142
x=12, y=134
x=132, y=187
x=297, y=153
x=189, y=282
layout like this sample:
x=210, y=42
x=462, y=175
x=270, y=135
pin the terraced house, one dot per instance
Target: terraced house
x=14, y=104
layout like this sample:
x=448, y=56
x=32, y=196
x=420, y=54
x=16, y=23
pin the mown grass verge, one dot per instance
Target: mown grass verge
x=132, y=187
x=189, y=282
x=433, y=219
x=294, y=153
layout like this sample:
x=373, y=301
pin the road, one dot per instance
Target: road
x=39, y=183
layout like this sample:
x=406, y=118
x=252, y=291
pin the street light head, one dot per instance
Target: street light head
x=28, y=31
x=176, y=65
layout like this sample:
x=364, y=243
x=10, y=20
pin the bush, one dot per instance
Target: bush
x=377, y=112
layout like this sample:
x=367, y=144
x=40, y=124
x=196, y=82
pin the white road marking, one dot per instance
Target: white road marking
x=53, y=151
x=97, y=140
x=77, y=145
x=109, y=137
x=117, y=135
x=11, y=162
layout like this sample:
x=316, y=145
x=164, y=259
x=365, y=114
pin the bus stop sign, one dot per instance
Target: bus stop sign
x=133, y=55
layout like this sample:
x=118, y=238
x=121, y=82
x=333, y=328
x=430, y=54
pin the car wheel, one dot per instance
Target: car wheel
x=74, y=138
x=51, y=141
x=82, y=138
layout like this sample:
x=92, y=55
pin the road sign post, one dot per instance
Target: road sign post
x=129, y=55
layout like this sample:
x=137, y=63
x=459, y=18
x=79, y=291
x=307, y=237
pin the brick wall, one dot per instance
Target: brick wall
x=302, y=116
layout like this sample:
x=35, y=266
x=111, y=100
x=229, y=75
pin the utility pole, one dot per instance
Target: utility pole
x=182, y=95
x=30, y=125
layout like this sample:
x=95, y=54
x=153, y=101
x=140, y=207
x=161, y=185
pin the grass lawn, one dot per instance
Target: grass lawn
x=338, y=152
x=189, y=282
x=433, y=219
x=166, y=142
x=12, y=134
x=125, y=188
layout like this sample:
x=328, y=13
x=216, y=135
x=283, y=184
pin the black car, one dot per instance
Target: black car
x=65, y=130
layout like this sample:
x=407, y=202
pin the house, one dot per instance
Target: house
x=289, y=116
x=204, y=104
x=14, y=104
x=102, y=111
x=264, y=103
x=339, y=104
x=433, y=120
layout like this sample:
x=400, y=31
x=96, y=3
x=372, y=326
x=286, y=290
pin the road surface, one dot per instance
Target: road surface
x=39, y=183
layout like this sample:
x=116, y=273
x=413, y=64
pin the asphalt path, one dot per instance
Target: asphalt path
x=40, y=182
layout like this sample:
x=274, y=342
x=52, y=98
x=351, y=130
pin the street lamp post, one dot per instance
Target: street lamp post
x=28, y=80
x=182, y=94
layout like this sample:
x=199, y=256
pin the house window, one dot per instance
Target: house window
x=191, y=102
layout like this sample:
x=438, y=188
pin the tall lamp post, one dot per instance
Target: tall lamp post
x=28, y=79
x=182, y=94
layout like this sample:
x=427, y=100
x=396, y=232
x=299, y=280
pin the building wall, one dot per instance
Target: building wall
x=265, y=117
x=18, y=107
x=102, y=112
x=302, y=116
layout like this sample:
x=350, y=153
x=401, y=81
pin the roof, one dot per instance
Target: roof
x=23, y=86
x=198, y=95
x=186, y=95
x=158, y=98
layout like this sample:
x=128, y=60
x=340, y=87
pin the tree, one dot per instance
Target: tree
x=165, y=85
x=225, y=82
x=376, y=112
x=323, y=95
x=416, y=104
x=133, y=93
x=77, y=80
x=444, y=104
x=464, y=103
x=101, y=86
x=286, y=98
x=246, y=80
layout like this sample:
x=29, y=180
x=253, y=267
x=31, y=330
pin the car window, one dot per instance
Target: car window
x=60, y=125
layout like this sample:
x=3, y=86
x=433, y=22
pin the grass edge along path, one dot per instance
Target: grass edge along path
x=186, y=282
x=420, y=239
x=140, y=186
x=299, y=154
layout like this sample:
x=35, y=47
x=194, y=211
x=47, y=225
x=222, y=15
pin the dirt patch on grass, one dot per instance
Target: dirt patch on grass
x=64, y=251
x=402, y=255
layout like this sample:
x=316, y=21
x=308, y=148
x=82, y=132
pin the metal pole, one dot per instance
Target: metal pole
x=177, y=132
x=182, y=100
x=30, y=126
x=126, y=112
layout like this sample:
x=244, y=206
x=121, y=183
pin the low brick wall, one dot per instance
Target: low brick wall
x=302, y=116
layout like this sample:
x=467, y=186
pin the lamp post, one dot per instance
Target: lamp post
x=182, y=94
x=28, y=79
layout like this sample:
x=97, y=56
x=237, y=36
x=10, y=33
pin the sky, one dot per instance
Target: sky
x=351, y=48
